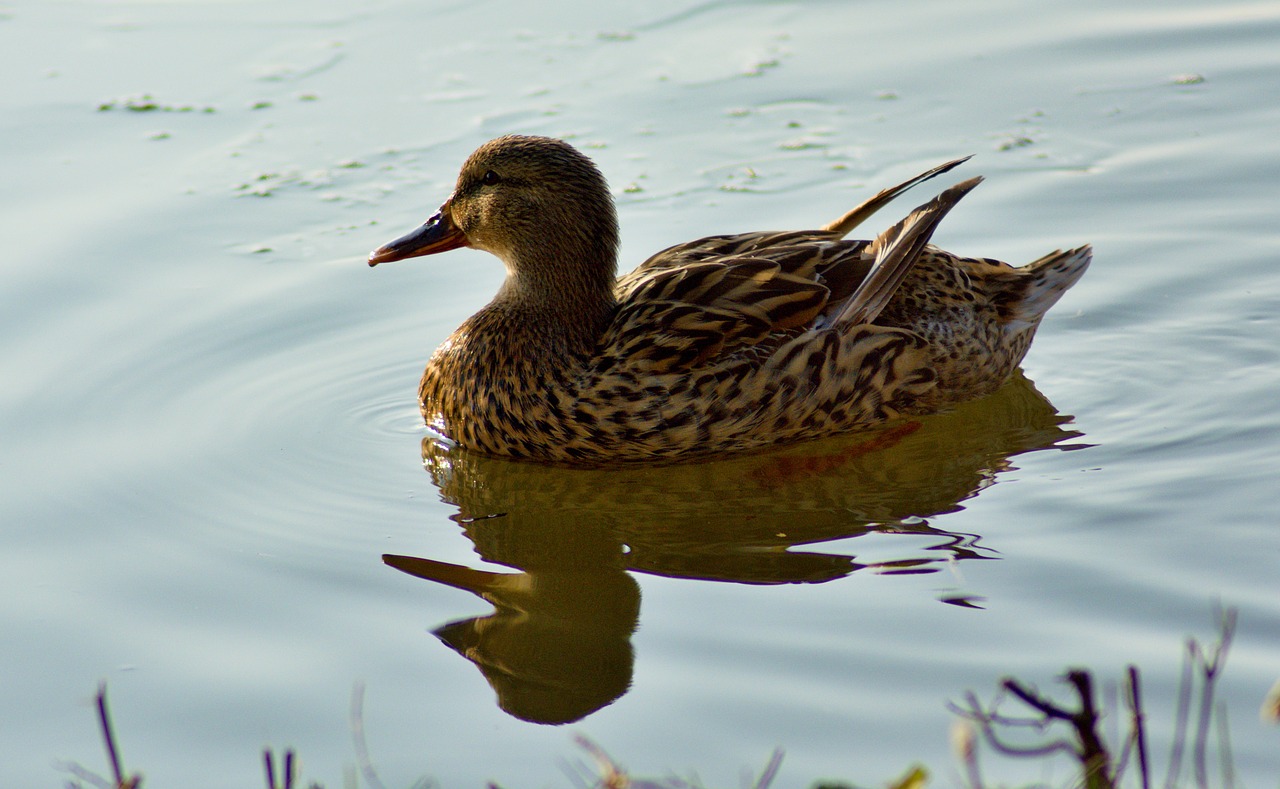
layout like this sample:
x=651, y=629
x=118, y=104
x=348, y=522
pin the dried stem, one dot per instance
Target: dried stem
x=1090, y=750
x=1224, y=749
x=288, y=772
x=770, y=770
x=357, y=736
x=1211, y=662
x=1138, y=723
x=104, y=719
x=1181, y=717
x=113, y=753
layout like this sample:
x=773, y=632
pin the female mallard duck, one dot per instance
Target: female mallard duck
x=718, y=345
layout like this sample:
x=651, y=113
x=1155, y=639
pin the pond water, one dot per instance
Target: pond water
x=210, y=438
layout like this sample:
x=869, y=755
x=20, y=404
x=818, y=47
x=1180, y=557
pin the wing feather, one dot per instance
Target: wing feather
x=896, y=251
x=725, y=297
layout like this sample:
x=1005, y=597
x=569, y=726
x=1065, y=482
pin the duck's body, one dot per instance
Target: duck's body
x=719, y=345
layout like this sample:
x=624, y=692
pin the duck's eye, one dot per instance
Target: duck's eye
x=490, y=178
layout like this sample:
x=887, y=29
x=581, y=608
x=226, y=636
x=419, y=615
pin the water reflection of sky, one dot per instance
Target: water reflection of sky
x=209, y=439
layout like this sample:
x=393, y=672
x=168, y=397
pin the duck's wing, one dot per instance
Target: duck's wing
x=771, y=243
x=767, y=244
x=727, y=298
x=700, y=311
x=896, y=251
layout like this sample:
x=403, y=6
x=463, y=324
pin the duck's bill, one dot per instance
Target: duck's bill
x=439, y=234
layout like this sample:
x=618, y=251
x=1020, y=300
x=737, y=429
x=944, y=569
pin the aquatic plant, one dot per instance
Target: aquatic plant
x=1102, y=765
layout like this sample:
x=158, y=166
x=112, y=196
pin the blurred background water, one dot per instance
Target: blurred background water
x=208, y=435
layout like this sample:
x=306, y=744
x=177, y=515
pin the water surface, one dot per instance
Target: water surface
x=210, y=439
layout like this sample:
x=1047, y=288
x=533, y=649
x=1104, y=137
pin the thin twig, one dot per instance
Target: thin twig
x=108, y=735
x=770, y=770
x=1211, y=669
x=1224, y=749
x=985, y=720
x=287, y=774
x=1090, y=750
x=579, y=775
x=1032, y=699
x=608, y=774
x=84, y=774
x=1181, y=717
x=991, y=716
x=1139, y=723
x=357, y=736
x=1094, y=755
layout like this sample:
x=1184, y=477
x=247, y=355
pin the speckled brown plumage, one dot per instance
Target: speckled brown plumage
x=718, y=345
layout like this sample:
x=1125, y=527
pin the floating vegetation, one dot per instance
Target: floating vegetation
x=1186, y=79
x=260, y=105
x=326, y=181
x=1016, y=141
x=747, y=173
x=801, y=144
x=267, y=184
x=147, y=103
x=760, y=67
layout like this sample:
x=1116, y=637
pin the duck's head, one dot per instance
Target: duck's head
x=537, y=203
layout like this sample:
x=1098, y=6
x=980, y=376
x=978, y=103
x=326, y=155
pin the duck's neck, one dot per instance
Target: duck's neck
x=566, y=302
x=553, y=328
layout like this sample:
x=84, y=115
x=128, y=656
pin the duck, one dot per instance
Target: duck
x=721, y=345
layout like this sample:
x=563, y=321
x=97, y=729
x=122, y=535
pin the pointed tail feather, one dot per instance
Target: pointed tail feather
x=896, y=251
x=845, y=224
x=1047, y=279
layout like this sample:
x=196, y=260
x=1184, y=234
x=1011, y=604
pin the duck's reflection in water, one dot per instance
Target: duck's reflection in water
x=557, y=646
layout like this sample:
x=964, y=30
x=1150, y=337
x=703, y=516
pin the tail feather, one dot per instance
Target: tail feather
x=896, y=251
x=1047, y=279
x=845, y=224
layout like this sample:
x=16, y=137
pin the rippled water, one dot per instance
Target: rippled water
x=210, y=439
